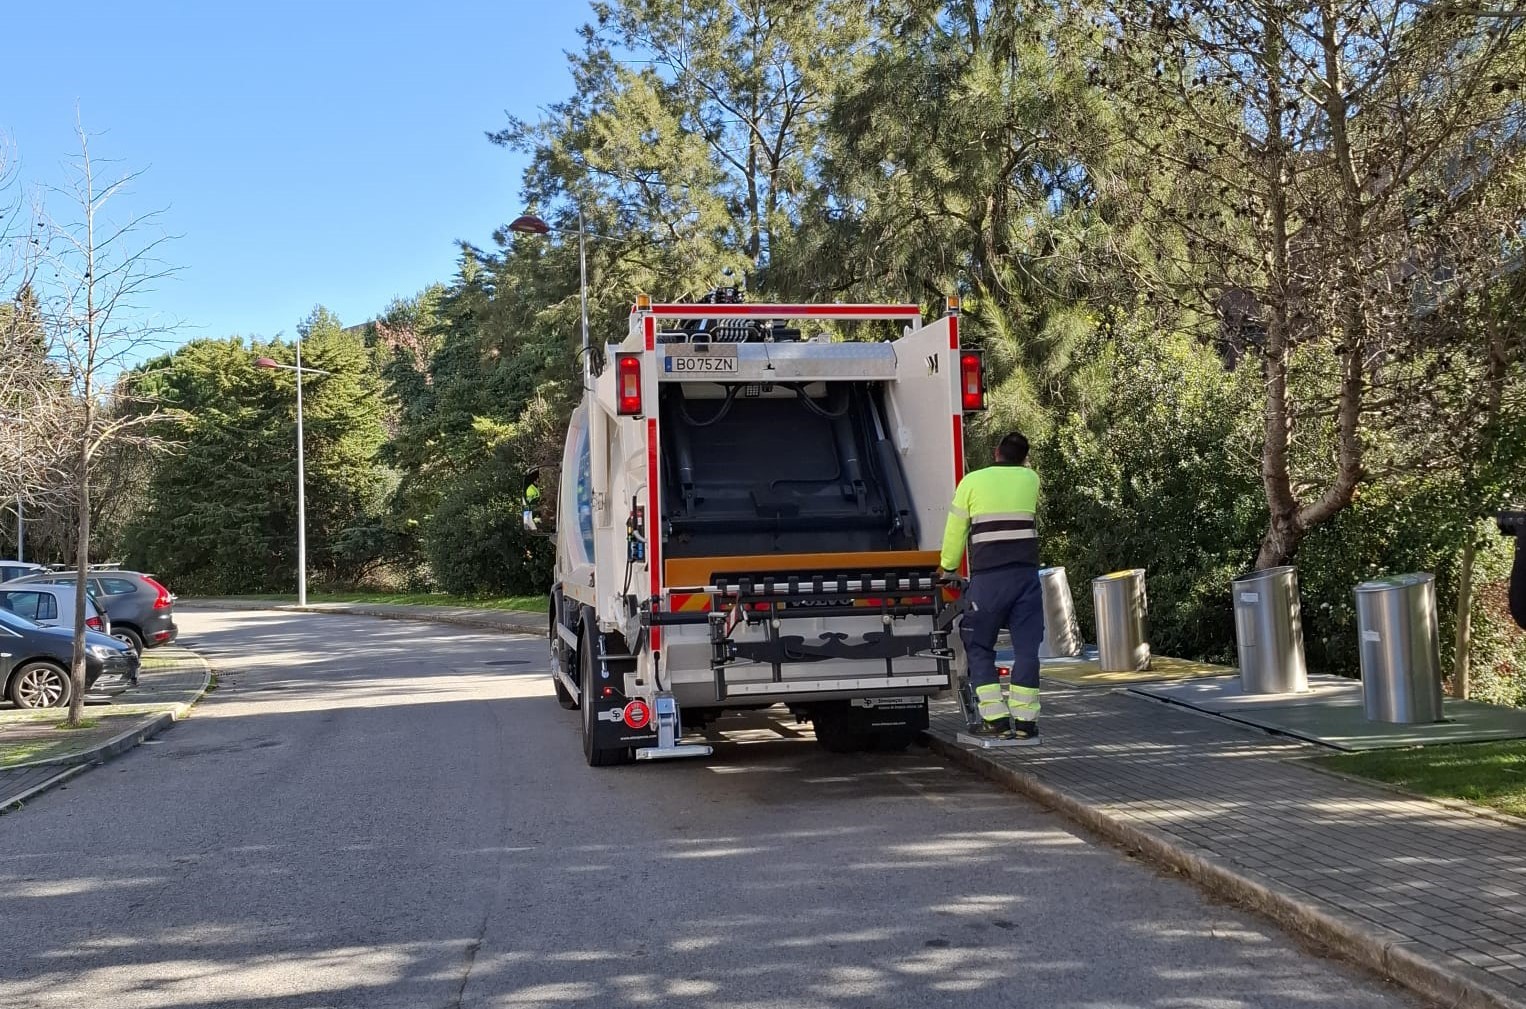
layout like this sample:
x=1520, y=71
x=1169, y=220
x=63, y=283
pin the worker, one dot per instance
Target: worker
x=995, y=507
x=531, y=501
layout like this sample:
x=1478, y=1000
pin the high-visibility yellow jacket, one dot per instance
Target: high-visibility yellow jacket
x=995, y=508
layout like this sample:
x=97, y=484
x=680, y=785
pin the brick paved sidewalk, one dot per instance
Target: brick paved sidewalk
x=1426, y=882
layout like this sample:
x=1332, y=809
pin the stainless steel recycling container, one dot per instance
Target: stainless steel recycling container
x=1400, y=649
x=1062, y=637
x=1269, y=632
x=1123, y=642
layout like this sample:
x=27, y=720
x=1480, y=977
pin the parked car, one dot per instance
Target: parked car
x=140, y=610
x=51, y=605
x=10, y=570
x=39, y=658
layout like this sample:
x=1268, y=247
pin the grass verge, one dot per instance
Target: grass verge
x=33, y=744
x=26, y=751
x=1488, y=774
x=533, y=604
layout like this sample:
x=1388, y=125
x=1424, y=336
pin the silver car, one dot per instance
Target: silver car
x=50, y=605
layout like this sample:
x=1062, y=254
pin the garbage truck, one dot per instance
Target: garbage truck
x=748, y=515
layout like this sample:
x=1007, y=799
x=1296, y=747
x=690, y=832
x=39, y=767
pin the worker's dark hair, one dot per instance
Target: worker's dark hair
x=1013, y=449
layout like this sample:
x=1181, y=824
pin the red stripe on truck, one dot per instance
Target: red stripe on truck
x=653, y=520
x=964, y=563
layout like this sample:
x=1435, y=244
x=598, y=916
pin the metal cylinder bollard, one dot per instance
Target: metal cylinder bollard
x=1123, y=643
x=1400, y=649
x=1269, y=632
x=1062, y=636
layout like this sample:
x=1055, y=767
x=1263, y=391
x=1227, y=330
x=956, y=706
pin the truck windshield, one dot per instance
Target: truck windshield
x=790, y=469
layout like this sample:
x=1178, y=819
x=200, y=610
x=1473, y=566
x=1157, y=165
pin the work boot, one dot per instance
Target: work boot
x=992, y=730
x=1026, y=733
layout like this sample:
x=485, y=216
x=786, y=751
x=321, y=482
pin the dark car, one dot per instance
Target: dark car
x=34, y=661
x=140, y=610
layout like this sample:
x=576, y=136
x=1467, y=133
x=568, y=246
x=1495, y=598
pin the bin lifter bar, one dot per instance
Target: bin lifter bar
x=911, y=313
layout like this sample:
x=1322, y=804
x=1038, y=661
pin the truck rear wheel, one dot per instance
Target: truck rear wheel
x=886, y=724
x=595, y=756
x=894, y=740
x=837, y=733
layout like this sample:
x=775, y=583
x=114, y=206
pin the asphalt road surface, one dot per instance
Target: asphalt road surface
x=379, y=814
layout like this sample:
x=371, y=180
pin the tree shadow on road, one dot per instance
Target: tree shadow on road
x=449, y=848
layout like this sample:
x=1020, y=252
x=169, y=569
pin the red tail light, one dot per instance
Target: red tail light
x=94, y=623
x=628, y=384
x=972, y=381
x=163, y=601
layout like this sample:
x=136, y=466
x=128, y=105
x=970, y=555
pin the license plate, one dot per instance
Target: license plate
x=705, y=364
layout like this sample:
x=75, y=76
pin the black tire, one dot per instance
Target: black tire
x=837, y=735
x=894, y=740
x=129, y=637
x=699, y=720
x=596, y=757
x=560, y=661
x=41, y=684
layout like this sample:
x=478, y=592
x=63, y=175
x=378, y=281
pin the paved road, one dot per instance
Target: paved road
x=378, y=814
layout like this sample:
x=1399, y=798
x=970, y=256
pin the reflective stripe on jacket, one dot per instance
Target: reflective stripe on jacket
x=994, y=507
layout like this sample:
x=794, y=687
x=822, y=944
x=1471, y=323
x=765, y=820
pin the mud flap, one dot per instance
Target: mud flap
x=619, y=722
x=882, y=714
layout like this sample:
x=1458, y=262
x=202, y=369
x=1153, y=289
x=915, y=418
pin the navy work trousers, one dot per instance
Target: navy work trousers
x=1007, y=597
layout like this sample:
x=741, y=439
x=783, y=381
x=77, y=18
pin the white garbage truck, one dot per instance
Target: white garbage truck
x=748, y=515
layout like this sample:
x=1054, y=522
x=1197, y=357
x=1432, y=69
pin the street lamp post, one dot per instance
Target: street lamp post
x=17, y=419
x=20, y=513
x=529, y=224
x=266, y=362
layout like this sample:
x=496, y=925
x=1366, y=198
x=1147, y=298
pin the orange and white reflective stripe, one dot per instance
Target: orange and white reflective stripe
x=688, y=602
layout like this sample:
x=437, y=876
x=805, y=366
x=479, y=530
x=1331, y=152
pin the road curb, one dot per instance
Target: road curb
x=1340, y=933
x=23, y=797
x=362, y=610
x=74, y=764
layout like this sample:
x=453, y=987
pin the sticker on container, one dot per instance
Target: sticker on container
x=1371, y=636
x=1250, y=597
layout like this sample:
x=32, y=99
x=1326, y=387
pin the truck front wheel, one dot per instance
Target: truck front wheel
x=561, y=660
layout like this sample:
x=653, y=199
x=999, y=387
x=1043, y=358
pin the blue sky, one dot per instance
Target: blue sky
x=327, y=151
